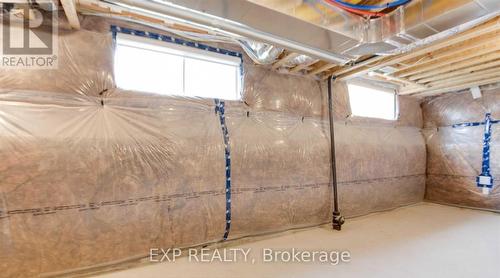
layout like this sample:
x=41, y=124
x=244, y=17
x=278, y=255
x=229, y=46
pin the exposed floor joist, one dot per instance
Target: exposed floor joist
x=445, y=76
x=466, y=56
x=397, y=79
x=381, y=61
x=288, y=56
x=455, y=66
x=450, y=52
x=305, y=66
x=457, y=57
x=471, y=58
x=321, y=69
x=69, y=7
x=474, y=83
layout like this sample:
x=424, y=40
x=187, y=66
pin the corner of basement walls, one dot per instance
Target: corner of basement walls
x=455, y=154
x=118, y=172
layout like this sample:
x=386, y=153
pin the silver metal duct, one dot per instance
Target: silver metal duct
x=337, y=36
x=251, y=21
x=299, y=60
x=261, y=53
x=418, y=23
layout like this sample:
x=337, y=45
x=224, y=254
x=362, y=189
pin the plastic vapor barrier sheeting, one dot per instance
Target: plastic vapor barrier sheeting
x=91, y=174
x=455, y=154
x=85, y=67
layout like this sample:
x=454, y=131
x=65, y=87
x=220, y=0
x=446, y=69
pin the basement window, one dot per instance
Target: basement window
x=159, y=67
x=372, y=102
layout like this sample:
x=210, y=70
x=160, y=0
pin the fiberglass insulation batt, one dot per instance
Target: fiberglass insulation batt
x=455, y=154
x=91, y=174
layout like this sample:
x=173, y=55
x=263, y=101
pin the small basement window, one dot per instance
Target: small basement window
x=159, y=67
x=371, y=102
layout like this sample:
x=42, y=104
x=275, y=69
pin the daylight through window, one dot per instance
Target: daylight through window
x=165, y=68
x=372, y=103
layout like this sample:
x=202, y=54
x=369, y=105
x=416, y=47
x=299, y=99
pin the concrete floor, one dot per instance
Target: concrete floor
x=423, y=240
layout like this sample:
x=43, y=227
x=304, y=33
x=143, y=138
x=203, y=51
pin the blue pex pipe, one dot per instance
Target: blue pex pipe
x=485, y=179
x=485, y=169
x=373, y=7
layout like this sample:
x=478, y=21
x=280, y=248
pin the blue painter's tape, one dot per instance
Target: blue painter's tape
x=485, y=179
x=220, y=110
x=117, y=29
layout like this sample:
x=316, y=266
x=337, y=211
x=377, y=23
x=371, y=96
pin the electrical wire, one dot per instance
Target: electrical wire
x=373, y=7
x=355, y=11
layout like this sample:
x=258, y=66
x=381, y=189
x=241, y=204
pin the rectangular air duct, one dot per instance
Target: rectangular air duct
x=336, y=36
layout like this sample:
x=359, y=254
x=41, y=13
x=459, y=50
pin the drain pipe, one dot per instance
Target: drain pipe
x=337, y=219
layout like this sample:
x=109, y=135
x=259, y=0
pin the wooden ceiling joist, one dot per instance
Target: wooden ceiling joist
x=461, y=72
x=69, y=7
x=469, y=58
x=449, y=52
x=399, y=80
x=484, y=73
x=449, y=83
x=288, y=56
x=304, y=66
x=456, y=87
x=458, y=57
x=380, y=61
x=456, y=66
x=321, y=69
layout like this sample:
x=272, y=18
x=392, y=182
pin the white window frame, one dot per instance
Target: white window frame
x=378, y=88
x=184, y=52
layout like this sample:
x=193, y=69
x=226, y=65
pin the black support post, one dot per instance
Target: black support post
x=337, y=219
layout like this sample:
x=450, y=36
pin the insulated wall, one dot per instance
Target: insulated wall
x=91, y=174
x=380, y=164
x=455, y=154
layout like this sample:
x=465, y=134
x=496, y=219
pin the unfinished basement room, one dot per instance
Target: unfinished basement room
x=259, y=138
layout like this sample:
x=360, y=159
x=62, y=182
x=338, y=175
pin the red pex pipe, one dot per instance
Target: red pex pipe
x=356, y=11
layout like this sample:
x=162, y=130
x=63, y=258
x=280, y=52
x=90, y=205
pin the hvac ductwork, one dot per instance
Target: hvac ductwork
x=335, y=35
x=418, y=23
x=247, y=20
x=261, y=53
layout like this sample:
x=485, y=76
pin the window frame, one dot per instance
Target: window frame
x=184, y=49
x=394, y=92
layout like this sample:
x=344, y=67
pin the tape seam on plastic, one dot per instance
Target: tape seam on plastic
x=117, y=29
x=220, y=110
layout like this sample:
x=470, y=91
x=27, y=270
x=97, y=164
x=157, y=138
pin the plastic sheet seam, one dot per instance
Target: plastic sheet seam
x=117, y=29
